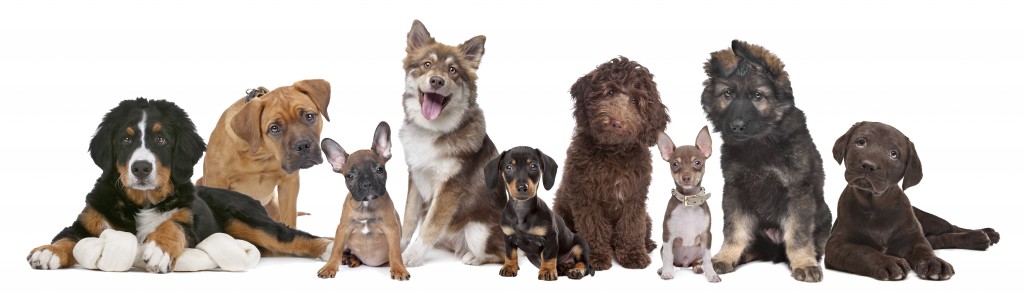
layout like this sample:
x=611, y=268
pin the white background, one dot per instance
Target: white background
x=946, y=73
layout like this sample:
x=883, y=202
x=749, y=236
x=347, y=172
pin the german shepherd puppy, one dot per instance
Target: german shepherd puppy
x=773, y=201
x=446, y=147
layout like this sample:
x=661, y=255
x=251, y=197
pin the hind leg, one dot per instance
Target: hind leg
x=578, y=264
x=943, y=235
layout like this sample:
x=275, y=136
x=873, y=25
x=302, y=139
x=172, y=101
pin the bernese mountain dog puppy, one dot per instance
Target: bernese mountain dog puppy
x=147, y=150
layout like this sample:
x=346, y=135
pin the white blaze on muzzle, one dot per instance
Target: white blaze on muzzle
x=142, y=155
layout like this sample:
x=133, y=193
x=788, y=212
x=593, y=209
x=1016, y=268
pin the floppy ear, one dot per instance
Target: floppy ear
x=839, y=149
x=578, y=91
x=549, y=168
x=187, y=151
x=319, y=91
x=912, y=174
x=101, y=147
x=246, y=124
x=491, y=172
x=382, y=141
x=418, y=37
x=473, y=49
x=336, y=155
x=666, y=146
x=704, y=142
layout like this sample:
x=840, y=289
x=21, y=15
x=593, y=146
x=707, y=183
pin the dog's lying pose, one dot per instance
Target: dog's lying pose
x=446, y=147
x=262, y=140
x=686, y=238
x=147, y=149
x=529, y=224
x=877, y=232
x=369, y=229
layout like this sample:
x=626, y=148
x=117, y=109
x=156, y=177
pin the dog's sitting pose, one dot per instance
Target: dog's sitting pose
x=369, y=230
x=686, y=237
x=446, y=147
x=773, y=201
x=877, y=232
x=603, y=195
x=146, y=149
x=529, y=224
x=263, y=139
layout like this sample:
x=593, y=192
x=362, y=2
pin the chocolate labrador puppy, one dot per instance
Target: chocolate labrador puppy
x=877, y=232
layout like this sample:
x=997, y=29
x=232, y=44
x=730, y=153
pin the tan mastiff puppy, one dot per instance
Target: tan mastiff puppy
x=263, y=139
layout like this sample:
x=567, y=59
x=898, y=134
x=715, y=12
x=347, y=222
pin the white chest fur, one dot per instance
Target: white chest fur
x=429, y=164
x=147, y=220
x=687, y=223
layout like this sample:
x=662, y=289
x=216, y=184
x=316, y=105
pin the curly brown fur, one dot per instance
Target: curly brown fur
x=603, y=195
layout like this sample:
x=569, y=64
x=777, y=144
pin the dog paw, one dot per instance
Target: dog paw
x=400, y=274
x=892, y=269
x=934, y=268
x=547, y=274
x=713, y=278
x=156, y=259
x=509, y=271
x=634, y=260
x=810, y=274
x=666, y=273
x=698, y=268
x=575, y=273
x=993, y=235
x=45, y=257
x=600, y=261
x=722, y=267
x=350, y=260
x=327, y=272
x=976, y=240
x=415, y=255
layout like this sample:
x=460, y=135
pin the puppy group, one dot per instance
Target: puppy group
x=485, y=206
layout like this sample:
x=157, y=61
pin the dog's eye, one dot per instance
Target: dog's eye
x=609, y=92
x=275, y=129
x=728, y=94
x=452, y=70
x=310, y=117
x=380, y=170
x=126, y=140
x=160, y=140
x=426, y=64
x=350, y=176
x=635, y=101
x=894, y=154
x=757, y=96
x=696, y=164
x=675, y=165
x=861, y=142
x=533, y=166
x=508, y=167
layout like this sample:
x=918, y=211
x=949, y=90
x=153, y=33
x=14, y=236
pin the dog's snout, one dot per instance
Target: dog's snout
x=522, y=188
x=617, y=124
x=738, y=126
x=868, y=166
x=687, y=178
x=303, y=146
x=436, y=82
x=142, y=169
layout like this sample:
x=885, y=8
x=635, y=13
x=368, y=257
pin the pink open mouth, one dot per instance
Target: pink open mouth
x=431, y=104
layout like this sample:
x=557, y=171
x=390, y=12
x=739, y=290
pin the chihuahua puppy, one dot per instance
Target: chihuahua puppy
x=369, y=231
x=687, y=227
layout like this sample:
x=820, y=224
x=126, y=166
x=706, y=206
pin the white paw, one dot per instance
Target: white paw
x=327, y=252
x=666, y=274
x=713, y=278
x=415, y=255
x=44, y=259
x=470, y=259
x=156, y=259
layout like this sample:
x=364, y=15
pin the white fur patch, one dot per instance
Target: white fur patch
x=476, y=241
x=155, y=258
x=687, y=223
x=429, y=165
x=142, y=154
x=148, y=220
x=415, y=254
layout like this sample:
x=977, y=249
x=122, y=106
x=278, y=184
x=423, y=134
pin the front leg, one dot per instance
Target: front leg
x=797, y=234
x=413, y=213
x=441, y=211
x=594, y=227
x=549, y=258
x=859, y=259
x=58, y=254
x=667, y=259
x=511, y=267
x=330, y=268
x=393, y=234
x=631, y=235
x=288, y=195
x=738, y=228
x=165, y=244
x=926, y=264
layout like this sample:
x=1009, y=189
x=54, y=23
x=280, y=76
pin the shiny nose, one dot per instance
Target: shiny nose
x=521, y=188
x=302, y=146
x=738, y=126
x=141, y=169
x=436, y=82
x=868, y=166
x=616, y=124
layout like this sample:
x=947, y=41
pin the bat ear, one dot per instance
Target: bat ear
x=704, y=142
x=418, y=37
x=839, y=149
x=319, y=91
x=336, y=155
x=549, y=168
x=246, y=124
x=912, y=174
x=491, y=172
x=382, y=140
x=665, y=146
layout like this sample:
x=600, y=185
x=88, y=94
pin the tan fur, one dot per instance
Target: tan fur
x=93, y=221
x=742, y=235
x=300, y=246
x=243, y=158
x=148, y=197
x=170, y=237
x=511, y=266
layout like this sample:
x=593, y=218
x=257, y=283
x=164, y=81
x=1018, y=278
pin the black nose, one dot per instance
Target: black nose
x=141, y=169
x=521, y=188
x=367, y=185
x=302, y=146
x=738, y=126
x=436, y=82
x=868, y=166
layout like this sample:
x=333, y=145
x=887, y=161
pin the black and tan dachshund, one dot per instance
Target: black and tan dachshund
x=528, y=222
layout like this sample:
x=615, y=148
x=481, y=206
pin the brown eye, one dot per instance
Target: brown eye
x=861, y=142
x=697, y=164
x=675, y=165
x=426, y=64
x=757, y=96
x=160, y=140
x=634, y=100
x=610, y=92
x=452, y=70
x=310, y=117
x=126, y=140
x=894, y=154
x=508, y=167
x=274, y=129
x=728, y=94
x=533, y=166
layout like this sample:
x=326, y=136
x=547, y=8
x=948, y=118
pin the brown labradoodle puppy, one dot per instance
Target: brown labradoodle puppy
x=603, y=195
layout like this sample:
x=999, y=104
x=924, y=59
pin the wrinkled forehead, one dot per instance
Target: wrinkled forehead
x=362, y=159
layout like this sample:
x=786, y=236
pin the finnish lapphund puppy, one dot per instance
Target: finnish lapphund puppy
x=147, y=150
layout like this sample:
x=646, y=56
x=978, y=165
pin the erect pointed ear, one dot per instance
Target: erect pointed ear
x=746, y=52
x=665, y=146
x=319, y=91
x=912, y=174
x=336, y=155
x=704, y=142
x=473, y=49
x=246, y=124
x=549, y=167
x=839, y=149
x=382, y=141
x=491, y=172
x=418, y=37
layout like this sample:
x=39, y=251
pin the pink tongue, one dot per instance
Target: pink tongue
x=431, y=107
